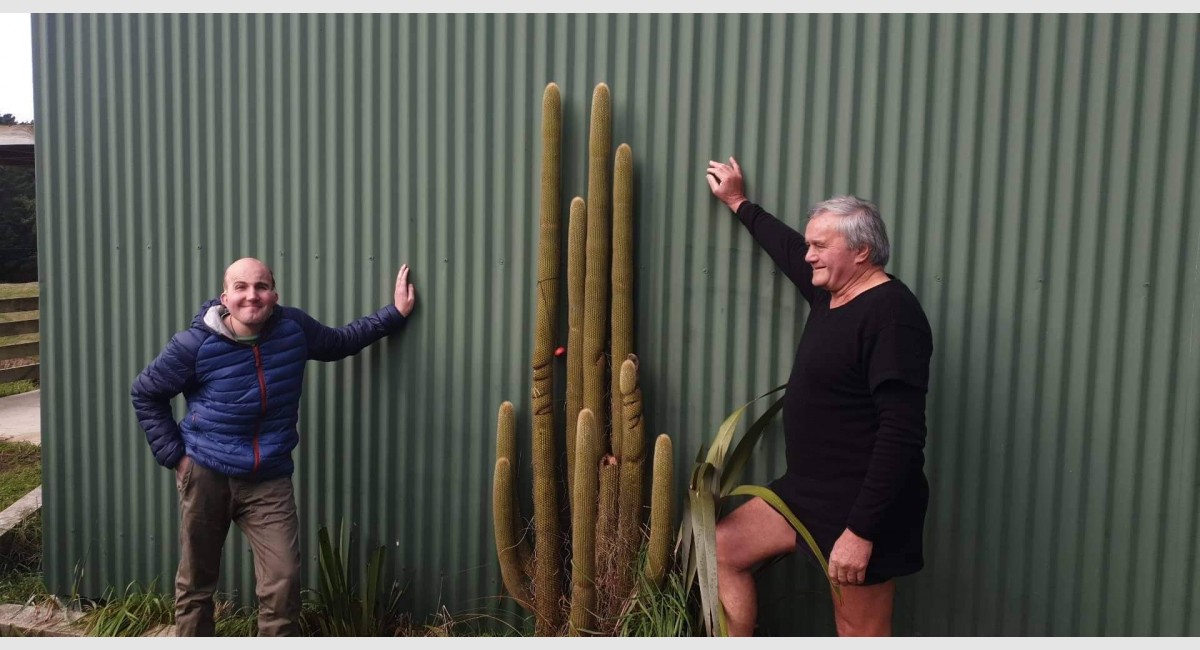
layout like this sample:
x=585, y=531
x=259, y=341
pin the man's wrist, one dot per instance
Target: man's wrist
x=736, y=202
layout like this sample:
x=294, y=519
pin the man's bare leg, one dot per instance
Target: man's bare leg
x=752, y=533
x=865, y=610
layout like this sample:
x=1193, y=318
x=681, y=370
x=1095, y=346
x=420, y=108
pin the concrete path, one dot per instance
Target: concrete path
x=21, y=417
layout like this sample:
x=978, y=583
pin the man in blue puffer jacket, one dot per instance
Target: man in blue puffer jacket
x=241, y=368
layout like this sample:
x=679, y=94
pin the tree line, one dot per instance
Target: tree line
x=18, y=220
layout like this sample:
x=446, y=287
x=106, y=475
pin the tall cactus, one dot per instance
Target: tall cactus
x=604, y=490
x=662, y=496
x=599, y=251
x=622, y=282
x=629, y=530
x=583, y=525
x=576, y=249
x=547, y=584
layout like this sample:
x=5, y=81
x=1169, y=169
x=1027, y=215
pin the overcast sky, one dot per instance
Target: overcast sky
x=16, y=67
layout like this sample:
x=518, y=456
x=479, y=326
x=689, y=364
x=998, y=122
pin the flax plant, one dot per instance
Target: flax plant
x=715, y=478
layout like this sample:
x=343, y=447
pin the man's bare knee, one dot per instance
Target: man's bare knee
x=729, y=555
x=752, y=533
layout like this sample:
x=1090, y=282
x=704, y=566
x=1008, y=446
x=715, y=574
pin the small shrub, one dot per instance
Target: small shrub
x=340, y=608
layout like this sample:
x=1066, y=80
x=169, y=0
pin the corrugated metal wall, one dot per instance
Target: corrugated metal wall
x=1038, y=174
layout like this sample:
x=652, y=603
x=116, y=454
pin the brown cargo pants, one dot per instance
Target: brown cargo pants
x=266, y=513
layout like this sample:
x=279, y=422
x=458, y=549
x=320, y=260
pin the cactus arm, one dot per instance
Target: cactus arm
x=507, y=540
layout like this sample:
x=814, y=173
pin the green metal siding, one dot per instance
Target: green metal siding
x=1038, y=174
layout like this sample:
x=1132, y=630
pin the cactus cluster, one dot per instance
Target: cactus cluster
x=604, y=435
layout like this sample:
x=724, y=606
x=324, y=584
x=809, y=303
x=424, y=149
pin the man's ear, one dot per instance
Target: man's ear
x=223, y=300
x=863, y=255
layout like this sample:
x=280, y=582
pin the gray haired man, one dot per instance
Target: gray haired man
x=853, y=415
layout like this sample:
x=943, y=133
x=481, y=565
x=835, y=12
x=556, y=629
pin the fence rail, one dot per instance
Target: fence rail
x=8, y=305
x=19, y=350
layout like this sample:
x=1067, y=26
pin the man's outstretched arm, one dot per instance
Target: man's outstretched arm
x=784, y=244
x=333, y=343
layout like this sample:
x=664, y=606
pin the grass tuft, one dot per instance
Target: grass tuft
x=20, y=470
x=660, y=612
x=234, y=621
x=135, y=613
x=17, y=387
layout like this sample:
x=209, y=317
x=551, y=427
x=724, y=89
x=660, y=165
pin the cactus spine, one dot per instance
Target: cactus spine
x=604, y=491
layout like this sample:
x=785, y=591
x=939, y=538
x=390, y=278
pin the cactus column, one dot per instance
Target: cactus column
x=604, y=490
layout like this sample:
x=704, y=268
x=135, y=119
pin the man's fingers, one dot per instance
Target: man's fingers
x=713, y=183
x=733, y=163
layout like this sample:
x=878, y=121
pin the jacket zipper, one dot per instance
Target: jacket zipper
x=262, y=393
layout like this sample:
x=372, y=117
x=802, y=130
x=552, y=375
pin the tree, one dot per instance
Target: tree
x=18, y=220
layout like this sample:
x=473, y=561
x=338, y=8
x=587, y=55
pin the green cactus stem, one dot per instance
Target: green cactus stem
x=599, y=251
x=583, y=525
x=511, y=546
x=576, y=269
x=661, y=497
x=547, y=589
x=622, y=284
x=629, y=528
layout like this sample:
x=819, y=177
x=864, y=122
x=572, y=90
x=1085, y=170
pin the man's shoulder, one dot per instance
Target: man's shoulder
x=897, y=304
x=192, y=338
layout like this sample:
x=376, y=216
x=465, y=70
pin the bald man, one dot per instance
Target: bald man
x=241, y=367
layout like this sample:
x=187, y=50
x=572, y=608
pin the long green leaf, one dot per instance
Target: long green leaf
x=325, y=562
x=370, y=594
x=687, y=559
x=720, y=444
x=704, y=522
x=344, y=553
x=741, y=452
x=773, y=500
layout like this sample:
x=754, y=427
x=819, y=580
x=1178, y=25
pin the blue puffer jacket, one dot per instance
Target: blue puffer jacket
x=243, y=400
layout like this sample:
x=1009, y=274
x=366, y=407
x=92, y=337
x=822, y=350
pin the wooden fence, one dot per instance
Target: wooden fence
x=19, y=350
